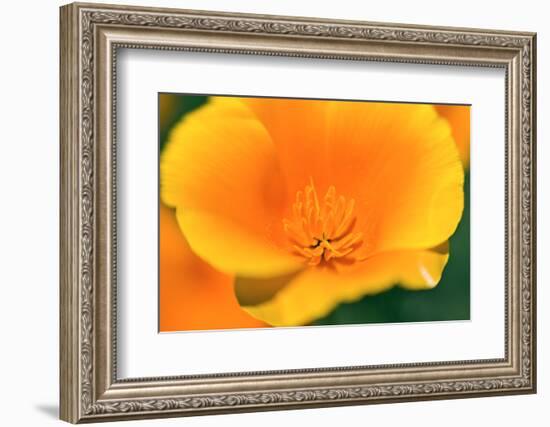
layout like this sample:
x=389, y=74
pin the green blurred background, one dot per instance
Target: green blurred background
x=449, y=300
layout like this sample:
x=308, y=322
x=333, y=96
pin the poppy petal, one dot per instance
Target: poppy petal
x=193, y=295
x=458, y=117
x=400, y=164
x=230, y=247
x=315, y=292
x=219, y=169
x=298, y=129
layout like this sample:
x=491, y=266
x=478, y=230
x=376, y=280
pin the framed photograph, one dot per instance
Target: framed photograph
x=265, y=212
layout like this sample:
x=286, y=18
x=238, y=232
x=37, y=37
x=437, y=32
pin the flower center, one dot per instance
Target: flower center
x=321, y=231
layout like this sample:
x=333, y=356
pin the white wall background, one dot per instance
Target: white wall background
x=29, y=171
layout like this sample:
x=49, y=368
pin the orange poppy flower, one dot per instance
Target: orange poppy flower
x=309, y=204
x=192, y=294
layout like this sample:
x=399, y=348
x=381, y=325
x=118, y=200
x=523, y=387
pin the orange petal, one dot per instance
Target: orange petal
x=192, y=294
x=231, y=248
x=459, y=119
x=315, y=292
x=400, y=164
x=298, y=129
x=220, y=171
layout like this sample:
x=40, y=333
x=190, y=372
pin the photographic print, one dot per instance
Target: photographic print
x=302, y=212
x=341, y=221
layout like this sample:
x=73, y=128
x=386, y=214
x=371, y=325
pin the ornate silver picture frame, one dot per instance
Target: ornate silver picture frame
x=91, y=35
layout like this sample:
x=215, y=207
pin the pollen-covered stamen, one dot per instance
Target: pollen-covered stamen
x=321, y=231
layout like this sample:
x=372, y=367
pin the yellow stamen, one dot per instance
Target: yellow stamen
x=322, y=231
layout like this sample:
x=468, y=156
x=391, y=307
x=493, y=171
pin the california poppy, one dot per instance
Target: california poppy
x=308, y=204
